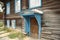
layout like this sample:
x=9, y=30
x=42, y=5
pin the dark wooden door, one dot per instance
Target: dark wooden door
x=33, y=27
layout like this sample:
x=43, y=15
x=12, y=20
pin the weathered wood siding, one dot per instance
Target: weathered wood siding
x=13, y=15
x=51, y=20
x=51, y=26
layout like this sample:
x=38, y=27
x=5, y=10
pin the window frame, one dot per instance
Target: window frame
x=8, y=10
x=8, y=23
x=33, y=7
x=15, y=6
x=36, y=6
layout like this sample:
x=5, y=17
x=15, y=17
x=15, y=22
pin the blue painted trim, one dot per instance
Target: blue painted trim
x=38, y=18
x=27, y=24
x=29, y=12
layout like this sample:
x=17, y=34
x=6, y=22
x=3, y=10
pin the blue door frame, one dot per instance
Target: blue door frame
x=27, y=22
x=38, y=18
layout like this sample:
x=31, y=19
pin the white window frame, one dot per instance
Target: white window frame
x=8, y=23
x=16, y=8
x=8, y=8
x=35, y=3
x=13, y=24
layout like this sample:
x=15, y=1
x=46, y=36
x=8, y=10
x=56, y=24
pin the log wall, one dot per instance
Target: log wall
x=51, y=20
x=13, y=15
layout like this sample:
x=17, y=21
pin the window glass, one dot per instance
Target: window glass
x=8, y=8
x=17, y=6
x=8, y=23
x=13, y=23
x=34, y=3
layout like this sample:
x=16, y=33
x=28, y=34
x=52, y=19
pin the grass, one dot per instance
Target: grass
x=5, y=29
x=12, y=35
x=16, y=35
x=1, y=24
x=1, y=29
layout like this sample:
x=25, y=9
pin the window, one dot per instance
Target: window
x=8, y=8
x=8, y=23
x=34, y=3
x=17, y=6
x=13, y=23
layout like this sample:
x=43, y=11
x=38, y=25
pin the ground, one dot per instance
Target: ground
x=4, y=35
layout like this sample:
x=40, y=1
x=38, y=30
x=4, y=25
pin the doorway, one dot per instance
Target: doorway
x=33, y=27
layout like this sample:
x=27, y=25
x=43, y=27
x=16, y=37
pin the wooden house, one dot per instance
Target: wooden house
x=45, y=26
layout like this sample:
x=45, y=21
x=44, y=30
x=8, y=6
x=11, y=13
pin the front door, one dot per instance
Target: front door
x=34, y=27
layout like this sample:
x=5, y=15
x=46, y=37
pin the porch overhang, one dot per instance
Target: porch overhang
x=32, y=12
x=37, y=14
